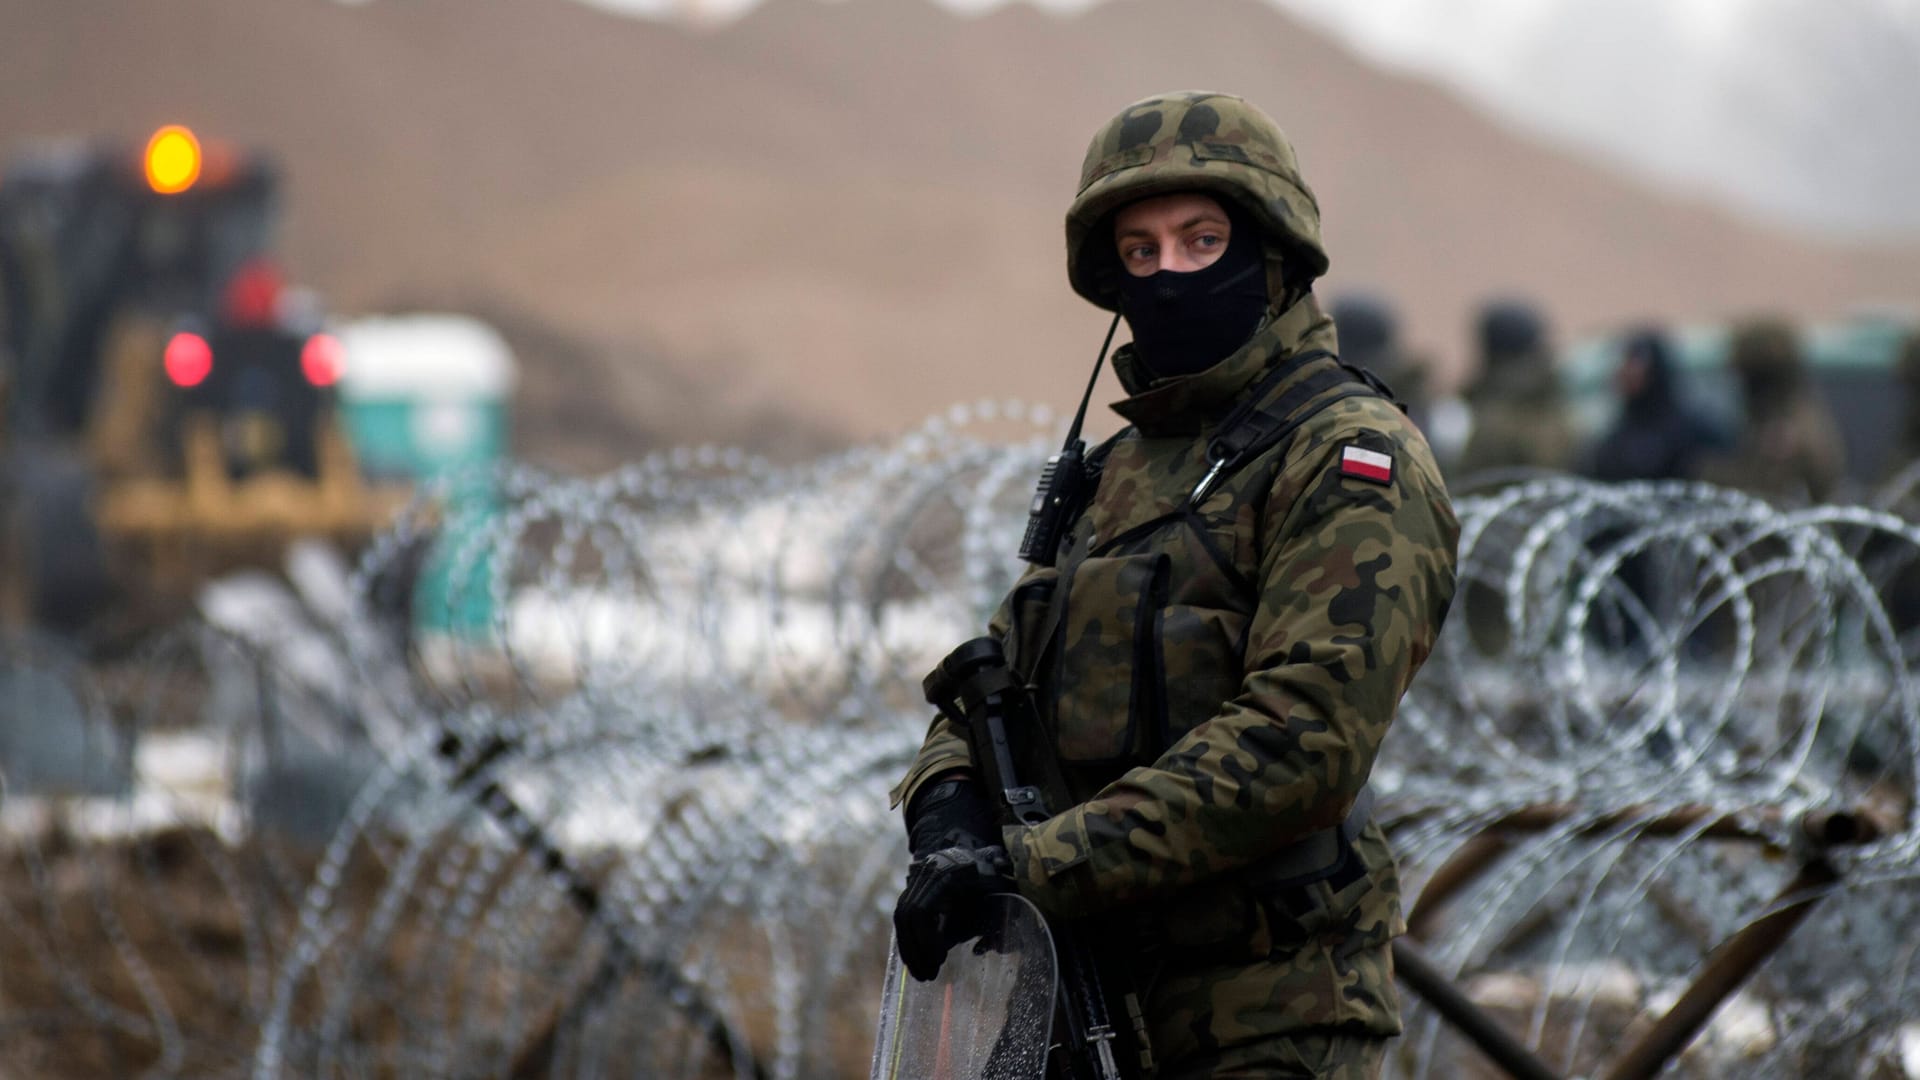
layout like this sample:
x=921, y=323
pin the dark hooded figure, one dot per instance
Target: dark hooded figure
x=1657, y=436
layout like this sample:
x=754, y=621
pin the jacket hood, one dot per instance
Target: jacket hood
x=1659, y=390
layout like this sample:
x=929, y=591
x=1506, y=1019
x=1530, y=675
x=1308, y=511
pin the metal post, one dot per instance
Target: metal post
x=1461, y=869
x=1726, y=969
x=1410, y=962
x=623, y=953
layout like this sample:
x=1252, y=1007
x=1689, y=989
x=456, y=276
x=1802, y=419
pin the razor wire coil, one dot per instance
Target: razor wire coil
x=638, y=769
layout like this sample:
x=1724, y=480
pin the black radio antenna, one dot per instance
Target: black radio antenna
x=1079, y=418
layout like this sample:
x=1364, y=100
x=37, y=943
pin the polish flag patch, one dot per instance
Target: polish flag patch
x=1358, y=461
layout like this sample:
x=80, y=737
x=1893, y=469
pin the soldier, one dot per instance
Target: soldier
x=1906, y=447
x=1222, y=638
x=1370, y=338
x=1898, y=482
x=1519, y=413
x=1789, y=448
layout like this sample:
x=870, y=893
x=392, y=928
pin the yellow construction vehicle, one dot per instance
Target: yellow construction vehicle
x=167, y=413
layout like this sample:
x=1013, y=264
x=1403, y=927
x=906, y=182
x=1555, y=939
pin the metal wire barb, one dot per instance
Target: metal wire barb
x=584, y=777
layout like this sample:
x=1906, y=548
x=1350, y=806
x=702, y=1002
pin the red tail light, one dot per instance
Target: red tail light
x=189, y=360
x=322, y=359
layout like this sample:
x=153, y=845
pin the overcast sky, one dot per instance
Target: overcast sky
x=1799, y=111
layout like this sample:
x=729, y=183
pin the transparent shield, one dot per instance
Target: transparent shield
x=989, y=1014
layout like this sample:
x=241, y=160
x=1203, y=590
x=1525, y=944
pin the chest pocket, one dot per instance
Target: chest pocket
x=1156, y=632
x=1106, y=704
x=1153, y=630
x=1198, y=665
x=1150, y=639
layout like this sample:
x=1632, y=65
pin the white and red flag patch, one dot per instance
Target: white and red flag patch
x=1358, y=461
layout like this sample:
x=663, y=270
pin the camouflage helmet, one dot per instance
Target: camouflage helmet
x=1192, y=141
x=1368, y=329
x=1765, y=351
x=1509, y=329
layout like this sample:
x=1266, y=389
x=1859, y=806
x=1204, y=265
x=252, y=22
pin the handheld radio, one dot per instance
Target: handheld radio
x=1062, y=491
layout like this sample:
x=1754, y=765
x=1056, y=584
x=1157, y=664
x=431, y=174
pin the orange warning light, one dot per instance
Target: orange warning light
x=173, y=160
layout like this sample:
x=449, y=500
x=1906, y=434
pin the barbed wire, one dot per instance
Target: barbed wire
x=581, y=777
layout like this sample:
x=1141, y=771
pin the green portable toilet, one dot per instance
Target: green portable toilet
x=424, y=400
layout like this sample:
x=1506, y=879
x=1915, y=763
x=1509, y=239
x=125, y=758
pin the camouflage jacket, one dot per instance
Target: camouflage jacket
x=1218, y=686
x=1795, y=455
x=1520, y=420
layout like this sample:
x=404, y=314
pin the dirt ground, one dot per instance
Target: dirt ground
x=160, y=955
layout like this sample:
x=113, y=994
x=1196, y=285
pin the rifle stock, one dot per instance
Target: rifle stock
x=976, y=688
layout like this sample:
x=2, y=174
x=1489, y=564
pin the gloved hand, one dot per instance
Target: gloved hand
x=950, y=812
x=943, y=903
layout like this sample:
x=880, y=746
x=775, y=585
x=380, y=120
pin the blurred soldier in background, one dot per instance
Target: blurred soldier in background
x=1900, y=493
x=1658, y=436
x=1789, y=449
x=1370, y=339
x=1520, y=415
x=1218, y=643
x=1906, y=448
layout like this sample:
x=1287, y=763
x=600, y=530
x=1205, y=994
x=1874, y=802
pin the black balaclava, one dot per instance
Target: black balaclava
x=1187, y=322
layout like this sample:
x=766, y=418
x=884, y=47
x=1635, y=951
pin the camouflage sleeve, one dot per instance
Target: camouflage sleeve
x=945, y=747
x=1355, y=580
x=944, y=750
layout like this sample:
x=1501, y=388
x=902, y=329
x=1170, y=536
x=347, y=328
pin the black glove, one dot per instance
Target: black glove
x=950, y=812
x=943, y=904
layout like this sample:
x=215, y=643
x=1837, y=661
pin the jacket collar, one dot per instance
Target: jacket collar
x=1189, y=404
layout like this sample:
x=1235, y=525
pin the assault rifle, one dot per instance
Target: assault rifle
x=976, y=688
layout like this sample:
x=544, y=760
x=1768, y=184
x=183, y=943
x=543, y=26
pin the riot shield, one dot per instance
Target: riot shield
x=988, y=1016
